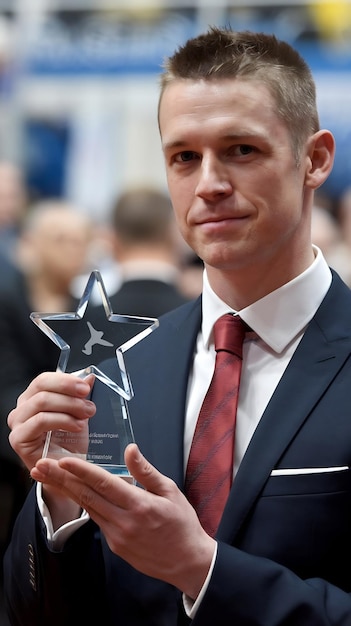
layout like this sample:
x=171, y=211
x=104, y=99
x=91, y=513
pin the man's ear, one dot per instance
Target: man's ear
x=320, y=158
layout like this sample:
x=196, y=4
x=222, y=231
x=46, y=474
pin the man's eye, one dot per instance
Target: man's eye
x=185, y=156
x=244, y=149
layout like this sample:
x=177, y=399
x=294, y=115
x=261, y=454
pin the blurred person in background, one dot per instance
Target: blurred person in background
x=147, y=254
x=343, y=214
x=191, y=275
x=51, y=250
x=13, y=205
x=328, y=236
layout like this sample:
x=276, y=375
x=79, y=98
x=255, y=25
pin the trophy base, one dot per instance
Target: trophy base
x=117, y=470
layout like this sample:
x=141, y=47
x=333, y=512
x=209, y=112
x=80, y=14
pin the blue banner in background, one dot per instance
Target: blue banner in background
x=113, y=48
x=106, y=48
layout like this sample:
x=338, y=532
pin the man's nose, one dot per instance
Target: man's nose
x=214, y=179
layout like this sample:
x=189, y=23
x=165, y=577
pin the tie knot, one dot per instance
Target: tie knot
x=229, y=333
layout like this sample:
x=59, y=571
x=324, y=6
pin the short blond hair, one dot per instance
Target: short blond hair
x=223, y=53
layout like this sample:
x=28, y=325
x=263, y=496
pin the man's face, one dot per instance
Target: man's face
x=61, y=243
x=235, y=186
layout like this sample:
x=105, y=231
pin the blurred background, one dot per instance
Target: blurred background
x=79, y=85
x=78, y=129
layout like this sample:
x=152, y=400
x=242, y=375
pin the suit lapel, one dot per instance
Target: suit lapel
x=159, y=409
x=320, y=355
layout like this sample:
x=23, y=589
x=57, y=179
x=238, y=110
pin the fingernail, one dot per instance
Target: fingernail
x=90, y=408
x=42, y=469
x=82, y=387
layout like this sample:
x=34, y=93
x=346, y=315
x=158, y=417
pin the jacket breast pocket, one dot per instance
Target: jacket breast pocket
x=331, y=480
x=303, y=521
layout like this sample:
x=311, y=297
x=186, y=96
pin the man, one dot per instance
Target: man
x=13, y=206
x=244, y=155
x=147, y=253
x=54, y=244
x=52, y=249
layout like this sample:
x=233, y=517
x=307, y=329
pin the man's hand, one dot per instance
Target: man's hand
x=53, y=401
x=155, y=529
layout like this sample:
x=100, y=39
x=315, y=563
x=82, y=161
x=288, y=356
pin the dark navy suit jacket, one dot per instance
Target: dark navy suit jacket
x=284, y=554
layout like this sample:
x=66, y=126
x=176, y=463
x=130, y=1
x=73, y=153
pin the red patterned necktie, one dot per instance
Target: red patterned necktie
x=209, y=472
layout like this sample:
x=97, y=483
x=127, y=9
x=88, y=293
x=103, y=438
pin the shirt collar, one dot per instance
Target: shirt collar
x=281, y=315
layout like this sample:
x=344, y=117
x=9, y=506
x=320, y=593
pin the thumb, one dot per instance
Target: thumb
x=144, y=473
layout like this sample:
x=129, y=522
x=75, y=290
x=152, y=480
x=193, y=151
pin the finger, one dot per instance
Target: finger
x=71, y=400
x=49, y=472
x=145, y=473
x=26, y=436
x=92, y=492
x=107, y=487
x=58, y=382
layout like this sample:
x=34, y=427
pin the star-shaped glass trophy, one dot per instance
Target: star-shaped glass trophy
x=93, y=340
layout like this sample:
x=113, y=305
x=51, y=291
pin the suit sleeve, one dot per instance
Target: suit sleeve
x=34, y=575
x=254, y=591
